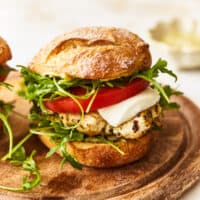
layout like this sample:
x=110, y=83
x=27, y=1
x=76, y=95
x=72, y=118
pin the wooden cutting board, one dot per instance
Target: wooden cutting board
x=170, y=168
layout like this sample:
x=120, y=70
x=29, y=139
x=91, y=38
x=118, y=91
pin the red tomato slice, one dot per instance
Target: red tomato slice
x=106, y=96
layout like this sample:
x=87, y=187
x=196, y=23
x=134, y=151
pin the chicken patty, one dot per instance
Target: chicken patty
x=93, y=124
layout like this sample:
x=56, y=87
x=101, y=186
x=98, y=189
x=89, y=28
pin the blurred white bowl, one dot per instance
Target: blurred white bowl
x=181, y=37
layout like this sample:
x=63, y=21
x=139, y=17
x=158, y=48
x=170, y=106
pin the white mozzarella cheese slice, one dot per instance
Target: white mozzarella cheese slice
x=125, y=110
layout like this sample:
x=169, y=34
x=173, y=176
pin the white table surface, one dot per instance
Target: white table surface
x=29, y=24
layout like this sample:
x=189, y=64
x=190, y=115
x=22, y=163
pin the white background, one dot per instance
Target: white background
x=29, y=24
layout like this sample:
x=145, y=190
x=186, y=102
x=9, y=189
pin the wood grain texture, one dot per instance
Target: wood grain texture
x=169, y=169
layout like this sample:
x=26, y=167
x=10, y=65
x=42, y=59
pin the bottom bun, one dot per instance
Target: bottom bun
x=102, y=155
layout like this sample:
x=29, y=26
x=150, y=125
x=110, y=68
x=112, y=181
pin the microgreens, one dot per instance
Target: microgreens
x=6, y=126
x=151, y=74
x=17, y=154
x=40, y=88
x=28, y=164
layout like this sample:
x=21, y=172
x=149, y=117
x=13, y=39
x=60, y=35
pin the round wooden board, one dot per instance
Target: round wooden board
x=170, y=168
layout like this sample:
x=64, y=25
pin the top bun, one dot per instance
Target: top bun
x=93, y=53
x=5, y=52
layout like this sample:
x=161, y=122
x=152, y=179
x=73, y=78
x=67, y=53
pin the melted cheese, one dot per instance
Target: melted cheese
x=123, y=111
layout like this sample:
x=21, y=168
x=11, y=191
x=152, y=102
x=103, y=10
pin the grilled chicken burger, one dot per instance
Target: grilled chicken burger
x=5, y=55
x=96, y=101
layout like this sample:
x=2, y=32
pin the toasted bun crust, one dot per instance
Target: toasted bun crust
x=5, y=52
x=102, y=155
x=93, y=53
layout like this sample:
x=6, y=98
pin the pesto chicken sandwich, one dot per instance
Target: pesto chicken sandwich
x=96, y=101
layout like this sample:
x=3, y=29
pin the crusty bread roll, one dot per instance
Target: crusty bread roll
x=102, y=155
x=93, y=53
x=5, y=52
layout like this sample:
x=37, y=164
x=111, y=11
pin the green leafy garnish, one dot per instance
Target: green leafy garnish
x=17, y=154
x=5, y=111
x=5, y=108
x=60, y=134
x=151, y=74
x=169, y=91
x=53, y=126
x=42, y=88
x=17, y=146
x=28, y=164
x=7, y=130
x=66, y=157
